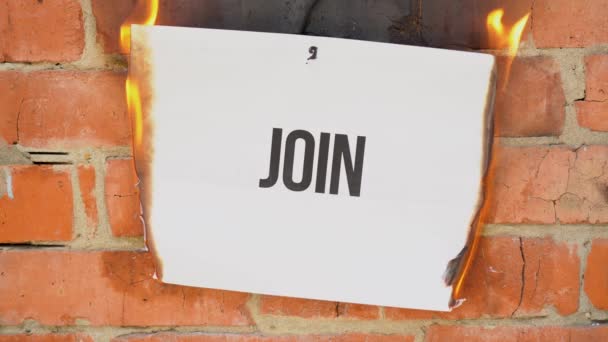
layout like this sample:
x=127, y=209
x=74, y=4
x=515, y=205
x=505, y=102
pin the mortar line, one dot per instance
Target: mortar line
x=80, y=230
x=294, y=326
x=584, y=303
x=569, y=233
x=93, y=55
x=104, y=231
x=558, y=232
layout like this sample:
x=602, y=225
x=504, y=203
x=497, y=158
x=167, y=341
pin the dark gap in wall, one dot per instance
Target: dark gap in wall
x=49, y=153
x=455, y=24
x=52, y=163
x=26, y=245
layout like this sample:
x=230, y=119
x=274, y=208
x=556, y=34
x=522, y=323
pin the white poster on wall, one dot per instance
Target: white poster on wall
x=306, y=166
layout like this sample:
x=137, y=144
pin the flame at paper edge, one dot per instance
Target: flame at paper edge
x=511, y=41
x=139, y=98
x=502, y=37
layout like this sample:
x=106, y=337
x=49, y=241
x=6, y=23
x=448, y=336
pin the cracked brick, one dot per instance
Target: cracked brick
x=549, y=185
x=122, y=198
x=513, y=277
x=56, y=288
x=11, y=90
x=308, y=308
x=592, y=113
x=64, y=109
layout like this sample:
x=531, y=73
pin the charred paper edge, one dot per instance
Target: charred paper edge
x=141, y=70
x=460, y=265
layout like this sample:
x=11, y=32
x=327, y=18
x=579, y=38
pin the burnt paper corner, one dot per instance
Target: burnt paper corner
x=457, y=268
x=141, y=71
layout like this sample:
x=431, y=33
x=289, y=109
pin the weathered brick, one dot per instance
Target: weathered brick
x=307, y=308
x=37, y=31
x=495, y=286
x=566, y=23
x=10, y=88
x=585, y=199
x=358, y=311
x=122, y=198
x=64, y=109
x=527, y=181
x=551, y=277
x=46, y=338
x=105, y=288
x=597, y=77
x=172, y=337
x=596, y=276
x=548, y=184
x=530, y=99
x=592, y=113
x=35, y=204
x=437, y=333
x=86, y=176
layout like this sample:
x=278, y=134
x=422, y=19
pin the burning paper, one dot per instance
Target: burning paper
x=306, y=166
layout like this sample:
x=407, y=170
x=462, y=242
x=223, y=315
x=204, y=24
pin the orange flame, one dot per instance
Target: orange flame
x=134, y=105
x=146, y=16
x=500, y=38
x=131, y=86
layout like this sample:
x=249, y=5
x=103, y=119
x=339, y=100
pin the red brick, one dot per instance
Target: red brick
x=596, y=276
x=566, y=23
x=46, y=338
x=527, y=181
x=592, y=115
x=122, y=198
x=105, y=288
x=171, y=337
x=308, y=308
x=593, y=112
x=9, y=105
x=86, y=176
x=585, y=199
x=35, y=204
x=358, y=311
x=65, y=109
x=548, y=184
x=437, y=333
x=530, y=102
x=41, y=31
x=597, y=78
x=494, y=287
x=551, y=277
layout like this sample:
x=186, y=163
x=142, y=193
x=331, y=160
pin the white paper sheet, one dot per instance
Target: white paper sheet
x=216, y=97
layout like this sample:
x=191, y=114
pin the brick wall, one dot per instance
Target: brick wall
x=71, y=261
